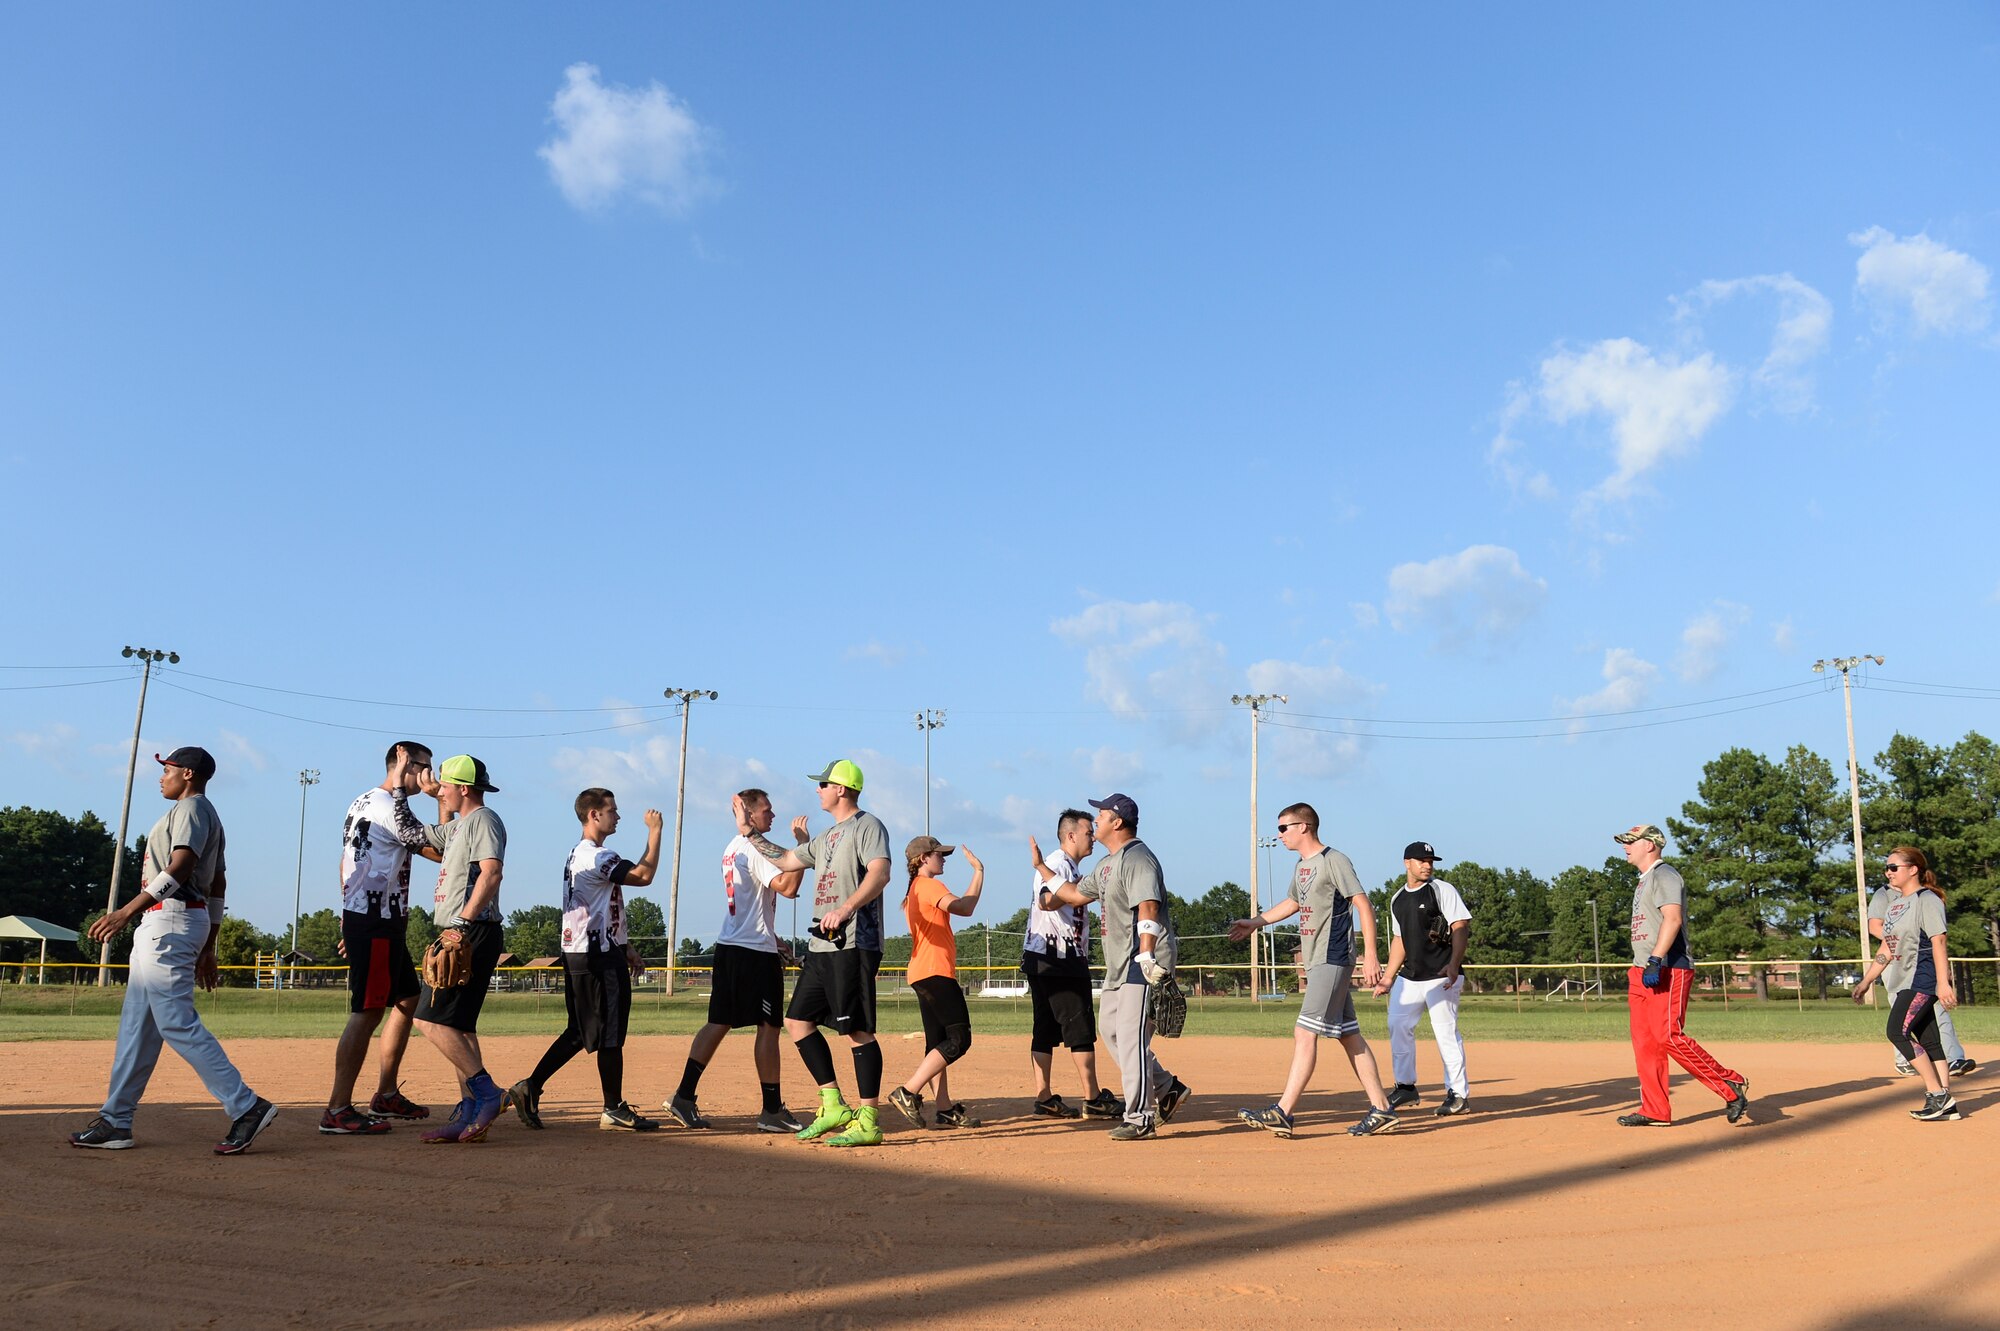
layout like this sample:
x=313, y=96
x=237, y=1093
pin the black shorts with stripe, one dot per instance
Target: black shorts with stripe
x=379, y=970
x=597, y=990
x=748, y=988
x=459, y=1008
x=837, y=989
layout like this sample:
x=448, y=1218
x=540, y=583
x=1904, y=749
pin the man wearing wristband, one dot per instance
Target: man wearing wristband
x=474, y=842
x=179, y=912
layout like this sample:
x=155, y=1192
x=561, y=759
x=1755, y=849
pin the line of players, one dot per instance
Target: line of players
x=173, y=952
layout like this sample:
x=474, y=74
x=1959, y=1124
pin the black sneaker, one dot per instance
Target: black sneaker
x=1104, y=1105
x=1374, y=1123
x=1962, y=1067
x=1739, y=1107
x=680, y=1109
x=1056, y=1107
x=958, y=1116
x=1641, y=1121
x=526, y=1102
x=911, y=1106
x=98, y=1135
x=1170, y=1103
x=245, y=1129
x=1454, y=1104
x=621, y=1117
x=1940, y=1108
x=1404, y=1094
x=1133, y=1132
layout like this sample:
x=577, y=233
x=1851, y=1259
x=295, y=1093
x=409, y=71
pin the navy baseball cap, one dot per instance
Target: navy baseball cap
x=1118, y=806
x=195, y=760
x=1420, y=850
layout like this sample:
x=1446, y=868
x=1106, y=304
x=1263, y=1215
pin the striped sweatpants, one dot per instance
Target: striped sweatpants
x=1657, y=1035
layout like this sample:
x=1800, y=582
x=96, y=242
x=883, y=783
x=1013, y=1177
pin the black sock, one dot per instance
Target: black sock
x=868, y=1070
x=818, y=1058
x=611, y=1076
x=566, y=1047
x=691, y=1078
x=773, y=1102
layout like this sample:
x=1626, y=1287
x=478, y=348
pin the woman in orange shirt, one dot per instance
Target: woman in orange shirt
x=929, y=904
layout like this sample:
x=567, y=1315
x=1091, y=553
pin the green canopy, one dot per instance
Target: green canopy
x=27, y=926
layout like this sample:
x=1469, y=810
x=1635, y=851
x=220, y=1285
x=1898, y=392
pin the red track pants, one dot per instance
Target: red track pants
x=1657, y=1035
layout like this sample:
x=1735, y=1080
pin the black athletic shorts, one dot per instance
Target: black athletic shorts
x=837, y=989
x=379, y=970
x=749, y=988
x=597, y=990
x=459, y=1008
x=1063, y=1012
x=941, y=1004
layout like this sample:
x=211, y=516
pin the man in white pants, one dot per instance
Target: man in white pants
x=1429, y=926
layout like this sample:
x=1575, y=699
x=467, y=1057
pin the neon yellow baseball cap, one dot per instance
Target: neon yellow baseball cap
x=466, y=770
x=840, y=773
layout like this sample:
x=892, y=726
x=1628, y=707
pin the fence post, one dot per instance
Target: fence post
x=1517, y=989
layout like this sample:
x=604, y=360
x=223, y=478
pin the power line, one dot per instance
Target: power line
x=1544, y=734
x=423, y=707
x=1802, y=686
x=73, y=684
x=377, y=730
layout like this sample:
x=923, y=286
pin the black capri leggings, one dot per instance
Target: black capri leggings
x=947, y=1023
x=1912, y=1022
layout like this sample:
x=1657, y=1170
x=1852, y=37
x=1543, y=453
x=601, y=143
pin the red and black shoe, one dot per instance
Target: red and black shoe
x=351, y=1122
x=397, y=1105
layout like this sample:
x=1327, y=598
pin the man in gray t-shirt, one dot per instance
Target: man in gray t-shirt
x=1140, y=949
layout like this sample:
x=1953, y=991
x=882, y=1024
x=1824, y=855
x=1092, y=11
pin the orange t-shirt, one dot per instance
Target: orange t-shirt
x=931, y=950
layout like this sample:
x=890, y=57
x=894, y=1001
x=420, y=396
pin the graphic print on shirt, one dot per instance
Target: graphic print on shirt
x=593, y=916
x=826, y=882
x=375, y=854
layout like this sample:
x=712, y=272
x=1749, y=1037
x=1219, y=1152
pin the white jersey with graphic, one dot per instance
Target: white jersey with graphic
x=750, y=907
x=593, y=899
x=375, y=845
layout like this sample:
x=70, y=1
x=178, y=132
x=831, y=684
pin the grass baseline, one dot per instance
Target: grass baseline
x=85, y=1012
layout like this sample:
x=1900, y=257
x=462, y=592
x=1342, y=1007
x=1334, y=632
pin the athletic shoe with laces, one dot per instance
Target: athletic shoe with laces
x=958, y=1116
x=447, y=1131
x=245, y=1129
x=682, y=1112
x=1056, y=1107
x=97, y=1135
x=351, y=1122
x=1739, y=1103
x=1272, y=1119
x=1453, y=1104
x=526, y=1102
x=485, y=1108
x=1374, y=1123
x=1405, y=1094
x=1104, y=1105
x=1133, y=1132
x=910, y=1105
x=396, y=1105
x=832, y=1116
x=1171, y=1101
x=1904, y=1068
x=1641, y=1121
x=621, y=1117
x=1939, y=1108
x=1962, y=1067
x=864, y=1131
x=779, y=1120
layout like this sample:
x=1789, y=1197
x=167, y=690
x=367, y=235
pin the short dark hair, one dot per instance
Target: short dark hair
x=1070, y=818
x=408, y=746
x=590, y=801
x=1305, y=813
x=752, y=797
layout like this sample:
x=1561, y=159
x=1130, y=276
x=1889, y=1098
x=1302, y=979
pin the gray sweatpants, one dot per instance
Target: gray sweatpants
x=1125, y=1017
x=159, y=1011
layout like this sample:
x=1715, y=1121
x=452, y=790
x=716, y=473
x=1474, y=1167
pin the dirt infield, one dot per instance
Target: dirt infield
x=1534, y=1210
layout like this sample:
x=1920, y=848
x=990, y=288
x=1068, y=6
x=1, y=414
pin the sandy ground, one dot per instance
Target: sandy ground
x=1830, y=1209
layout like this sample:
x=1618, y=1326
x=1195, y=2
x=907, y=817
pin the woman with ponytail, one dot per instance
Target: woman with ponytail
x=1913, y=967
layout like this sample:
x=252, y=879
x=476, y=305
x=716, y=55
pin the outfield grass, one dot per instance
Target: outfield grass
x=84, y=1012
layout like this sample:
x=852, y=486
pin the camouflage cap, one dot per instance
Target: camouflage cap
x=1646, y=833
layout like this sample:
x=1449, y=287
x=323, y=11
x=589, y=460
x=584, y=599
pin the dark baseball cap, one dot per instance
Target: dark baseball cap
x=1420, y=850
x=198, y=761
x=1118, y=806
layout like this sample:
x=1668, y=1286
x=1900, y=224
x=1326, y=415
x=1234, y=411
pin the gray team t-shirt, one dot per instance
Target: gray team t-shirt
x=194, y=823
x=840, y=857
x=480, y=835
x=1121, y=880
x=1659, y=887
x=1325, y=886
x=1908, y=925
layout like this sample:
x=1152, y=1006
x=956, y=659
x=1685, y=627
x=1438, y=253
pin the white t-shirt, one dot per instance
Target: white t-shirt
x=1060, y=933
x=375, y=845
x=594, y=899
x=750, y=906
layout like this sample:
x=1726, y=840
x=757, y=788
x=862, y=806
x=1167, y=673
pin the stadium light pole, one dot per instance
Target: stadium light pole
x=1845, y=664
x=307, y=777
x=151, y=656
x=928, y=720
x=1596, y=952
x=1255, y=702
x=687, y=698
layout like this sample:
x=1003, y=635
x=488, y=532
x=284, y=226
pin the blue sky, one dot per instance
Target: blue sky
x=1068, y=370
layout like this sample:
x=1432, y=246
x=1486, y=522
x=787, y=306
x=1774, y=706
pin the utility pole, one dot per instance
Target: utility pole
x=151, y=656
x=1255, y=702
x=1844, y=664
x=687, y=697
x=927, y=721
x=308, y=777
x=1596, y=952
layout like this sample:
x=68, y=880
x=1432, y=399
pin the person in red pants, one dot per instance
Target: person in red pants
x=1661, y=979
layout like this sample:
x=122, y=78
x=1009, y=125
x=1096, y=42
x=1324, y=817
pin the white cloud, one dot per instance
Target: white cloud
x=1659, y=407
x=645, y=772
x=1939, y=289
x=614, y=141
x=882, y=654
x=52, y=743
x=1705, y=638
x=238, y=752
x=1151, y=659
x=1109, y=767
x=1365, y=614
x=1289, y=747
x=1480, y=596
x=1628, y=682
x=1783, y=639
x=1805, y=320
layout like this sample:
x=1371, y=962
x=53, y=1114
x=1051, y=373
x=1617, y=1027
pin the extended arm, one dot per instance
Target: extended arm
x=966, y=904
x=648, y=867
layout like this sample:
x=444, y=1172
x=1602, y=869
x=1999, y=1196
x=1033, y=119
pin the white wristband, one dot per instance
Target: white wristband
x=162, y=885
x=214, y=913
x=1151, y=927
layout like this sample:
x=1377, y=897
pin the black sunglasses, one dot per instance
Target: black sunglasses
x=1286, y=827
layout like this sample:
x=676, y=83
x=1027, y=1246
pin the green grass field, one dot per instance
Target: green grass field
x=84, y=1012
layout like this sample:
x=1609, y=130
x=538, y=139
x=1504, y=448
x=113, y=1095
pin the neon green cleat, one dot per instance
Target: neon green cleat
x=833, y=1114
x=865, y=1132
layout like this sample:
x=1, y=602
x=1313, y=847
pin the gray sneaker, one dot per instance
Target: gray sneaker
x=1133, y=1132
x=1454, y=1103
x=681, y=1111
x=98, y=1135
x=909, y=1104
x=245, y=1129
x=779, y=1120
x=621, y=1117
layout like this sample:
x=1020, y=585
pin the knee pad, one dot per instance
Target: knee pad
x=957, y=1039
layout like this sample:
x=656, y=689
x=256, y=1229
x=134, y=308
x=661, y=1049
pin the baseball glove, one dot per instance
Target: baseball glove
x=1169, y=1007
x=447, y=963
